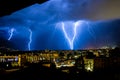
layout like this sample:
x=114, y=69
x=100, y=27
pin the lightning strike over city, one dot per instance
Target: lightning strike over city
x=65, y=39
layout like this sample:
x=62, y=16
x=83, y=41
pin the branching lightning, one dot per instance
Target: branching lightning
x=30, y=39
x=76, y=24
x=71, y=41
x=11, y=33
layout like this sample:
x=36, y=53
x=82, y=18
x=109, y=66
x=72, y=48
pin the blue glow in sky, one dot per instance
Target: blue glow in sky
x=62, y=25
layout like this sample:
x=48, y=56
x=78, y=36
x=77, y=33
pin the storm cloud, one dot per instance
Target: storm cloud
x=42, y=19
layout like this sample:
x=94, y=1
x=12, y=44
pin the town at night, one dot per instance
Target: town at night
x=60, y=39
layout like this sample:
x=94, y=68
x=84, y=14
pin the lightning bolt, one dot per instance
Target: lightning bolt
x=65, y=33
x=11, y=33
x=71, y=41
x=76, y=24
x=91, y=32
x=30, y=39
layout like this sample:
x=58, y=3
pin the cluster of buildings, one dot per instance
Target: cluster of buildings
x=88, y=60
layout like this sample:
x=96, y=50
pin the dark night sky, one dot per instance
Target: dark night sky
x=44, y=21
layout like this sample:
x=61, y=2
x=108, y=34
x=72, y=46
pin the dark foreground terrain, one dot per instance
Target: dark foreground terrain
x=38, y=72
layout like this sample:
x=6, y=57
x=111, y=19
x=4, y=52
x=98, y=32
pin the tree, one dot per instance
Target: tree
x=61, y=55
x=90, y=55
x=115, y=52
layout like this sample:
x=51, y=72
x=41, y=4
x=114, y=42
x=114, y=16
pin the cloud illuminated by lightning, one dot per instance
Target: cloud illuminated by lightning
x=11, y=33
x=30, y=39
